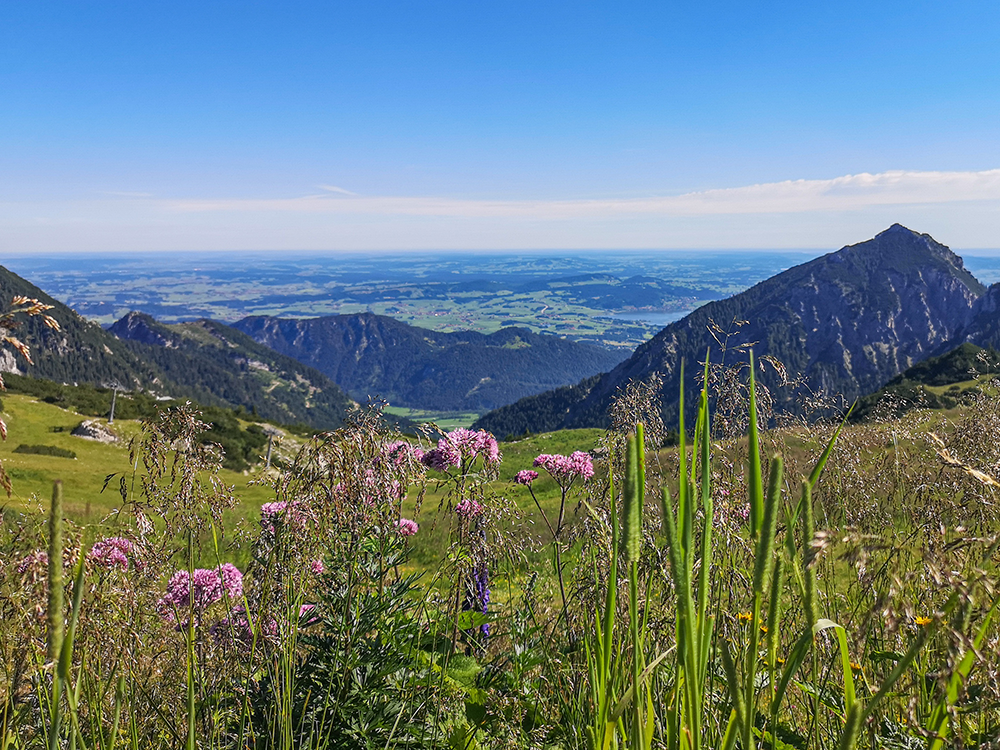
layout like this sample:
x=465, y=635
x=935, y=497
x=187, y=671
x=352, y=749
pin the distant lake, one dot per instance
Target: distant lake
x=656, y=318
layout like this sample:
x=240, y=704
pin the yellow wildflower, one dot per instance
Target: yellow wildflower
x=923, y=621
x=744, y=617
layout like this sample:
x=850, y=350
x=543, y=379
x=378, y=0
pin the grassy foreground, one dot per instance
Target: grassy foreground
x=795, y=588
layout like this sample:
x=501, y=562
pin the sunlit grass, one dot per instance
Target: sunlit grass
x=37, y=423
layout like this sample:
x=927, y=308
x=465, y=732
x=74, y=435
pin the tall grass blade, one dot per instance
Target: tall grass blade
x=845, y=660
x=633, y=490
x=55, y=615
x=764, y=555
x=825, y=455
x=938, y=725
x=808, y=569
x=754, y=474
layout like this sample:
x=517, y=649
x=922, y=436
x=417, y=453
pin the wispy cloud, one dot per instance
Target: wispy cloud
x=850, y=192
x=335, y=189
x=959, y=208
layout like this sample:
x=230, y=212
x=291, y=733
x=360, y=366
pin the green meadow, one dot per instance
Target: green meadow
x=812, y=586
x=33, y=422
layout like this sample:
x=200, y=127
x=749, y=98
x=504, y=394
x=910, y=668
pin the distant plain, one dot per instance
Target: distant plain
x=616, y=299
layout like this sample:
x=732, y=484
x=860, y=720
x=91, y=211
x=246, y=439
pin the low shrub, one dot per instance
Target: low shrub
x=45, y=450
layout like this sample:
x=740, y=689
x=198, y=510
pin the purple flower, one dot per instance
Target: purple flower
x=282, y=514
x=566, y=468
x=232, y=580
x=406, y=527
x=468, y=508
x=581, y=464
x=317, y=566
x=271, y=514
x=113, y=552
x=462, y=444
x=198, y=590
x=475, y=443
x=526, y=477
x=443, y=457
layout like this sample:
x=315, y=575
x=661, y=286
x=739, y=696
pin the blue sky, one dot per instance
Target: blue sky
x=440, y=125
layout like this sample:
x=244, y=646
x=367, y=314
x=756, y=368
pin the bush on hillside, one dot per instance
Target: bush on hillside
x=45, y=450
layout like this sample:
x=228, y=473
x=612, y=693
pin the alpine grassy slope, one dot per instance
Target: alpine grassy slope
x=940, y=382
x=373, y=355
x=846, y=323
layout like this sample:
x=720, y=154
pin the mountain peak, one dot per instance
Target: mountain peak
x=898, y=228
x=901, y=250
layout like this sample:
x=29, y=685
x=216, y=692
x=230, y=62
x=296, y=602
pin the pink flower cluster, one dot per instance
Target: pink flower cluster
x=200, y=589
x=443, y=457
x=406, y=527
x=468, y=508
x=563, y=468
x=462, y=444
x=526, y=477
x=271, y=513
x=473, y=443
x=399, y=451
x=113, y=552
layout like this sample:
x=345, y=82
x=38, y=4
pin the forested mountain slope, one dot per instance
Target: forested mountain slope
x=371, y=355
x=219, y=365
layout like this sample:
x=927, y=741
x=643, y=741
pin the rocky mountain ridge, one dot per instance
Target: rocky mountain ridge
x=846, y=322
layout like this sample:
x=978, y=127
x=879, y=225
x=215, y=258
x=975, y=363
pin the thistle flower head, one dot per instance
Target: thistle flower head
x=526, y=477
x=406, y=527
x=564, y=469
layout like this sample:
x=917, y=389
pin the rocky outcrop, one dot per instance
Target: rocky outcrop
x=92, y=429
x=982, y=326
